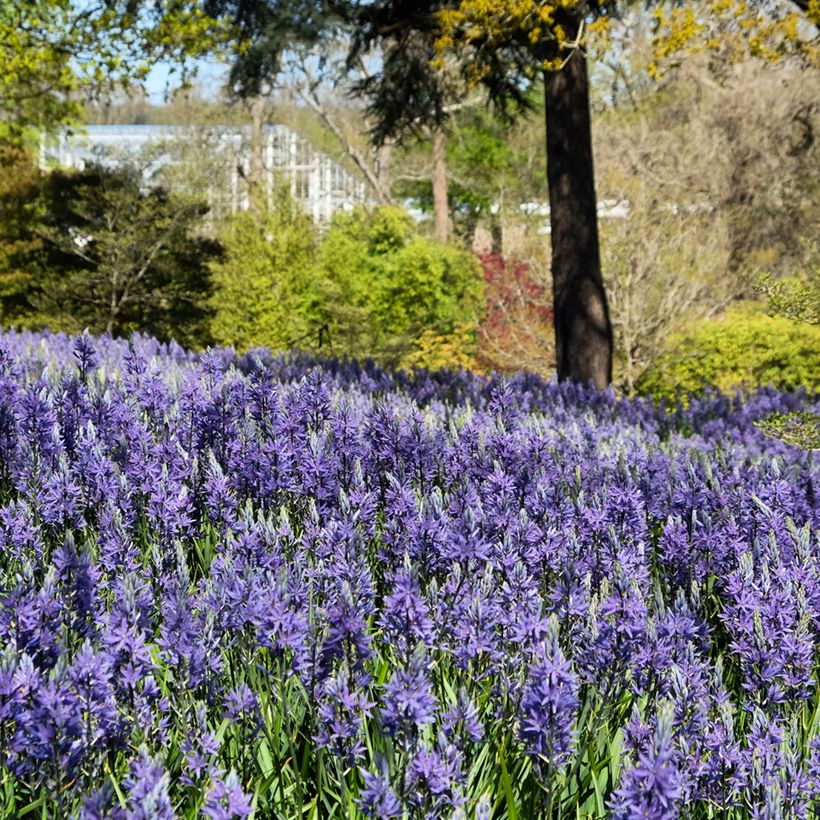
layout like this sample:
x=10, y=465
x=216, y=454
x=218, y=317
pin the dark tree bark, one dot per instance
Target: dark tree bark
x=583, y=333
x=496, y=234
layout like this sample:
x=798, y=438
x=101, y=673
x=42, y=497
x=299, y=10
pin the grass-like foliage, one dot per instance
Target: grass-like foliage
x=288, y=588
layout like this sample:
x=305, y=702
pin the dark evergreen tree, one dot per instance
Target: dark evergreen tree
x=101, y=249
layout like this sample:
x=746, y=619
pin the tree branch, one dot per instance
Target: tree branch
x=311, y=97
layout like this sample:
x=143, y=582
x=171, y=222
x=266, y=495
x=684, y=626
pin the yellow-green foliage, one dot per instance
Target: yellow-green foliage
x=52, y=49
x=745, y=348
x=19, y=181
x=455, y=350
x=260, y=284
x=800, y=429
x=372, y=286
x=497, y=24
x=380, y=287
x=795, y=297
x=735, y=29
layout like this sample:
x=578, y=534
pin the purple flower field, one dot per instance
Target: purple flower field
x=256, y=586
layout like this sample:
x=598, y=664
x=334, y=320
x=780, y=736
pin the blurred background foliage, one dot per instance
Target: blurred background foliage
x=744, y=347
x=370, y=286
x=708, y=174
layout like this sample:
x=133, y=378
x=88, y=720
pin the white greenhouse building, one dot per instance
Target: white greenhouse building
x=214, y=162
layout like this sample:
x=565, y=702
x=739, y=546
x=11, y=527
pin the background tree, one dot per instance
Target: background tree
x=483, y=167
x=405, y=93
x=752, y=70
x=260, y=284
x=262, y=31
x=115, y=257
x=52, y=49
x=507, y=46
x=742, y=349
x=796, y=297
x=717, y=164
x=657, y=283
x=371, y=287
x=318, y=82
x=382, y=287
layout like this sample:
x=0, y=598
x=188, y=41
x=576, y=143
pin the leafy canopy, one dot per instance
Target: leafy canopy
x=735, y=30
x=395, y=286
x=99, y=249
x=260, y=32
x=369, y=287
x=512, y=42
x=50, y=50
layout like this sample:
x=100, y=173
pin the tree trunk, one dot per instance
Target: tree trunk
x=583, y=333
x=496, y=234
x=257, y=148
x=384, y=155
x=440, y=205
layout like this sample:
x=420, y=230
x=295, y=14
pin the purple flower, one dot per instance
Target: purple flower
x=549, y=706
x=377, y=798
x=405, y=615
x=722, y=772
x=434, y=780
x=408, y=701
x=90, y=678
x=85, y=354
x=652, y=788
x=768, y=621
x=225, y=799
x=100, y=805
x=242, y=704
x=813, y=768
x=383, y=556
x=146, y=788
x=61, y=501
x=199, y=748
x=342, y=712
x=462, y=720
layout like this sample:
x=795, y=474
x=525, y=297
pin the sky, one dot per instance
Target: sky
x=210, y=76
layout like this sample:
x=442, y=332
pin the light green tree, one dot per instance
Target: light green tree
x=260, y=286
x=370, y=287
x=53, y=50
x=387, y=293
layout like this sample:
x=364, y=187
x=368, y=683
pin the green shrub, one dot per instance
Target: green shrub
x=380, y=288
x=372, y=286
x=261, y=284
x=744, y=348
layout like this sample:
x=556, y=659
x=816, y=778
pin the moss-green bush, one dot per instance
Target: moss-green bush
x=383, y=291
x=371, y=285
x=744, y=348
x=261, y=282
